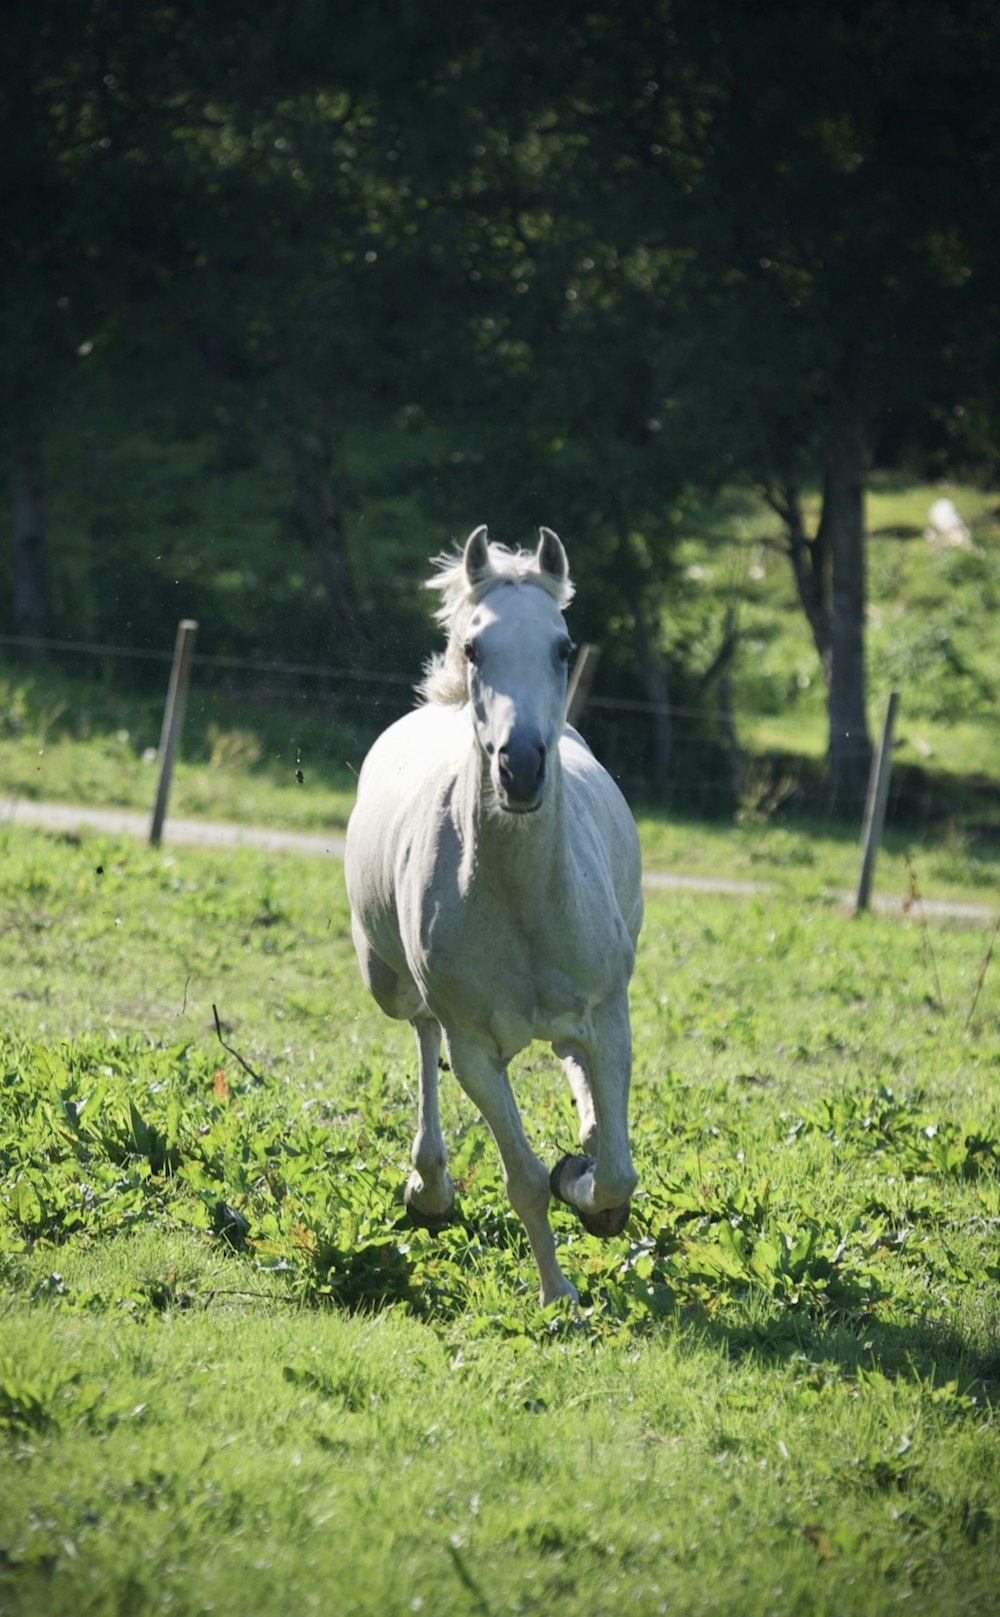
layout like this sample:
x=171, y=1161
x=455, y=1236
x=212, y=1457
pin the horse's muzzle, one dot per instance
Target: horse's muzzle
x=520, y=775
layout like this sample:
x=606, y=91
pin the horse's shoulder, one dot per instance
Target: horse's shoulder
x=430, y=719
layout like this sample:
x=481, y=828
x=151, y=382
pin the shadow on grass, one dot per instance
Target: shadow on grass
x=927, y=1351
x=791, y=791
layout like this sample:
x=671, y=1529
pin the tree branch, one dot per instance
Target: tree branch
x=234, y=1053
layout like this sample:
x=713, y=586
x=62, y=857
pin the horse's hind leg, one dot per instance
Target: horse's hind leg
x=430, y=1195
x=394, y=992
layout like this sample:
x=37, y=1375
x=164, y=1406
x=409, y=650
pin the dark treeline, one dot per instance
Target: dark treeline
x=451, y=263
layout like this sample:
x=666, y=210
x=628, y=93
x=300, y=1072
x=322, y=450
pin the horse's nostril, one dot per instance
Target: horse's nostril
x=521, y=768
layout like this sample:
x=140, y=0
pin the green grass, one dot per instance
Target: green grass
x=377, y=1467
x=75, y=740
x=232, y=1377
x=823, y=858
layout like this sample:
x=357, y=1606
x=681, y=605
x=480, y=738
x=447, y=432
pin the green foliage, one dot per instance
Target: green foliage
x=927, y=636
x=94, y=741
x=322, y=302
x=56, y=1400
x=715, y=1226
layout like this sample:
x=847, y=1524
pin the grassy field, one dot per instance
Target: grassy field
x=233, y=1378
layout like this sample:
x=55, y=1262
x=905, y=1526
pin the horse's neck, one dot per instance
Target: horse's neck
x=521, y=852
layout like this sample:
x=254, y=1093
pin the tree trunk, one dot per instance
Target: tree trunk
x=31, y=591
x=842, y=534
x=810, y=564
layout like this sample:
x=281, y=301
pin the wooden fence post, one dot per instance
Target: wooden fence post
x=580, y=682
x=878, y=796
x=173, y=721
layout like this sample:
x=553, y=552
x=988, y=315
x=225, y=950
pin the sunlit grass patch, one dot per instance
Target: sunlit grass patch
x=225, y=1354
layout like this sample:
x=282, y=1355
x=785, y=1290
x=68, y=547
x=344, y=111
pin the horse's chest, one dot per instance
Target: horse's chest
x=514, y=983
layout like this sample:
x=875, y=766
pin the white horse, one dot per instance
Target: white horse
x=493, y=871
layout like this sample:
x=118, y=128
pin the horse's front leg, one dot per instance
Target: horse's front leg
x=599, y=1185
x=483, y=1076
x=579, y=1083
x=429, y=1196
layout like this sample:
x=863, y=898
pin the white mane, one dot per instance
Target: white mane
x=444, y=676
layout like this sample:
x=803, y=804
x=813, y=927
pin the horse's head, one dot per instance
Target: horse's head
x=506, y=657
x=516, y=652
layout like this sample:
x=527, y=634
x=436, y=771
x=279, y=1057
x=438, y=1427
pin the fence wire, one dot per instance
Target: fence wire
x=711, y=770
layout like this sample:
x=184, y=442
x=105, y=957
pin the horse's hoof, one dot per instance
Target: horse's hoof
x=610, y=1221
x=577, y=1166
x=427, y=1221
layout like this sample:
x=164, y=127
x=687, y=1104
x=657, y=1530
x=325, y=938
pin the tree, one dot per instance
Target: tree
x=793, y=214
x=555, y=336
x=616, y=259
x=38, y=344
x=200, y=206
x=93, y=198
x=828, y=180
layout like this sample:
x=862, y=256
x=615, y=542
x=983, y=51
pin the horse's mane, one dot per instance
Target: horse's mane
x=444, y=677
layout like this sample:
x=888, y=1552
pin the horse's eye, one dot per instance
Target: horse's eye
x=566, y=649
x=470, y=651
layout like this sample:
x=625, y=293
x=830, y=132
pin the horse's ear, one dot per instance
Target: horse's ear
x=477, y=555
x=550, y=556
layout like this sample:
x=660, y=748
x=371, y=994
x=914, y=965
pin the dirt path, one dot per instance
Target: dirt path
x=197, y=833
x=222, y=834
